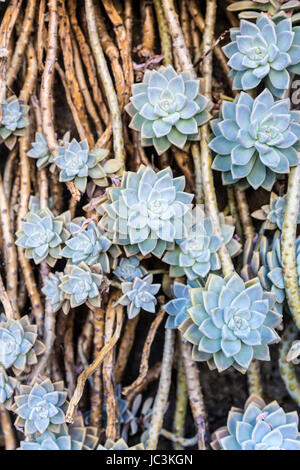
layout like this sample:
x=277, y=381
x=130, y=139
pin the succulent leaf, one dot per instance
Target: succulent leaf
x=119, y=445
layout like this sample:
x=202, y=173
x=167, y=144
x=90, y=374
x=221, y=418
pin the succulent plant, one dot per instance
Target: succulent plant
x=42, y=234
x=255, y=139
x=7, y=387
x=148, y=211
x=40, y=407
x=129, y=268
x=87, y=244
x=273, y=213
x=13, y=120
x=119, y=445
x=167, y=108
x=231, y=322
x=19, y=346
x=258, y=427
x=264, y=50
x=54, y=294
x=139, y=294
x=76, y=436
x=83, y=284
x=177, y=308
x=40, y=151
x=277, y=9
x=271, y=273
x=77, y=162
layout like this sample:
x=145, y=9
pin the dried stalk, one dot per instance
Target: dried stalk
x=103, y=71
x=195, y=395
x=288, y=244
x=144, y=365
x=92, y=367
x=125, y=348
x=163, y=391
x=97, y=390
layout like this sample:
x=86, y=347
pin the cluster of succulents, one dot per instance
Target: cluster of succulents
x=265, y=50
x=7, y=387
x=43, y=234
x=258, y=427
x=167, y=108
x=76, y=436
x=40, y=407
x=19, y=346
x=13, y=120
x=231, y=322
x=77, y=162
x=255, y=139
x=147, y=212
x=139, y=294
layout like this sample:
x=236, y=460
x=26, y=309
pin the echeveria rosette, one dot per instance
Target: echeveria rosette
x=129, y=268
x=177, y=308
x=120, y=444
x=255, y=139
x=19, y=346
x=196, y=255
x=264, y=50
x=167, y=108
x=54, y=294
x=75, y=436
x=43, y=234
x=231, y=322
x=7, y=388
x=148, y=212
x=83, y=284
x=139, y=294
x=273, y=213
x=40, y=407
x=40, y=151
x=77, y=162
x=13, y=120
x=258, y=427
x=87, y=243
